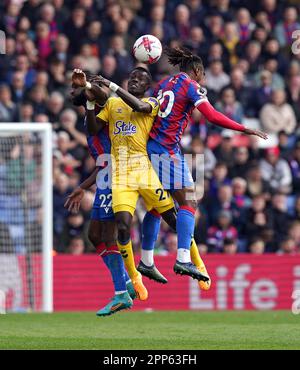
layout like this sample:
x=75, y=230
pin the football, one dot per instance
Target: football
x=147, y=49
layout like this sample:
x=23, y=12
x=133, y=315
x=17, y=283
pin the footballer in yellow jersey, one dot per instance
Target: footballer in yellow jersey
x=132, y=172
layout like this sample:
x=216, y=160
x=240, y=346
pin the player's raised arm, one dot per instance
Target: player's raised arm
x=220, y=119
x=94, y=94
x=134, y=84
x=74, y=199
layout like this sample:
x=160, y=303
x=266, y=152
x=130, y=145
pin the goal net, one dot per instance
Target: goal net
x=25, y=217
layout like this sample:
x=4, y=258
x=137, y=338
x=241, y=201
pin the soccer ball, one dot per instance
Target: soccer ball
x=147, y=49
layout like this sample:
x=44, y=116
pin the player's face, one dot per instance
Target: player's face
x=138, y=83
x=76, y=96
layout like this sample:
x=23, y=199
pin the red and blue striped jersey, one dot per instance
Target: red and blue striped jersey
x=99, y=144
x=178, y=96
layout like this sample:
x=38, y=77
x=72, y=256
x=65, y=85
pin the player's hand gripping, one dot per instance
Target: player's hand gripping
x=79, y=78
x=74, y=199
x=101, y=80
x=249, y=131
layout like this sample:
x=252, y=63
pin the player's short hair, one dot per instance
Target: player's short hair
x=183, y=57
x=142, y=69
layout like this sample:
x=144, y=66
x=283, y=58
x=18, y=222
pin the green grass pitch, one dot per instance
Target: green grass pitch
x=153, y=330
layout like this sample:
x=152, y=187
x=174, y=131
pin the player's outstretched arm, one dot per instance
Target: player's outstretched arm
x=135, y=103
x=94, y=125
x=74, y=199
x=220, y=119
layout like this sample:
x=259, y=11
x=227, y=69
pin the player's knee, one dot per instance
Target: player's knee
x=94, y=237
x=123, y=231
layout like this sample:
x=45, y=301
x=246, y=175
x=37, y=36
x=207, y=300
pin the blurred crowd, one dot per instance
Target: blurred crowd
x=252, y=193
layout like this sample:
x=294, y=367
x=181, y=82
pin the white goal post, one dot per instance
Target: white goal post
x=26, y=232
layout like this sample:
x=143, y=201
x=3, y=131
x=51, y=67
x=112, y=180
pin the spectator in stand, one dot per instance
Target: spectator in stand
x=262, y=94
x=219, y=178
x=271, y=65
x=241, y=90
x=229, y=106
x=8, y=110
x=253, y=55
x=256, y=185
x=60, y=192
x=57, y=74
x=225, y=151
x=272, y=10
x=47, y=14
x=75, y=27
x=288, y=247
x=60, y=49
x=258, y=219
x=230, y=41
x=276, y=171
x=285, y=143
x=68, y=120
x=272, y=51
x=285, y=28
x=25, y=113
x=213, y=26
x=197, y=147
x=90, y=62
x=230, y=246
x=294, y=233
x=260, y=34
x=245, y=25
x=109, y=69
x=43, y=43
x=222, y=7
x=224, y=201
x=278, y=115
x=182, y=22
x=295, y=168
x=55, y=105
x=74, y=227
x=38, y=97
x=157, y=17
x=240, y=199
x=281, y=219
x=18, y=87
x=241, y=163
x=257, y=246
x=76, y=246
x=67, y=161
x=123, y=58
x=293, y=94
x=216, y=78
x=7, y=60
x=197, y=42
x=222, y=230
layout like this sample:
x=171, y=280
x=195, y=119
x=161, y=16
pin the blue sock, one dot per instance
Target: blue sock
x=126, y=276
x=115, y=264
x=150, y=230
x=185, y=225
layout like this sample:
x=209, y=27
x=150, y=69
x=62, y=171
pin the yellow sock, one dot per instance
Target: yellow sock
x=128, y=258
x=195, y=255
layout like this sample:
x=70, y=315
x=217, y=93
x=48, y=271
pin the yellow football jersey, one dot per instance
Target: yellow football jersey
x=128, y=130
x=132, y=172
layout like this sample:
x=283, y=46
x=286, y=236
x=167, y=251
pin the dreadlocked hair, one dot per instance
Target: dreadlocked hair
x=184, y=58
